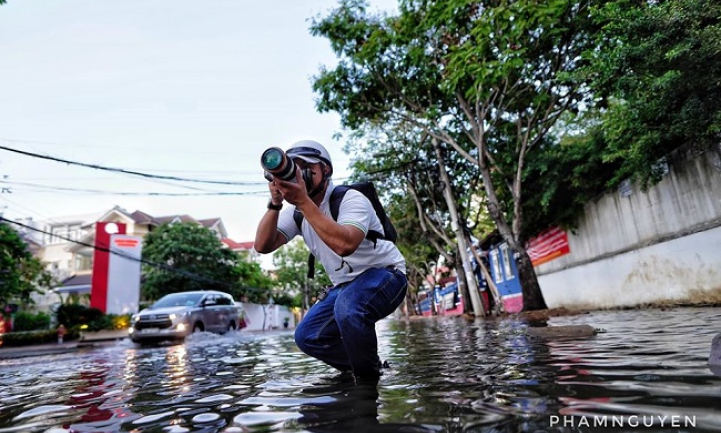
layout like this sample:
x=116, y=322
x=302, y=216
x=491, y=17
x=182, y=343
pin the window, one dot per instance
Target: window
x=497, y=275
x=507, y=269
x=83, y=262
x=57, y=232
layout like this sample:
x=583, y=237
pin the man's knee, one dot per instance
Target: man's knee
x=346, y=313
x=301, y=337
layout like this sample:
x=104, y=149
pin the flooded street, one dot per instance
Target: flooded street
x=646, y=371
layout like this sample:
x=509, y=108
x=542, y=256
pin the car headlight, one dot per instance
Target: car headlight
x=134, y=318
x=179, y=315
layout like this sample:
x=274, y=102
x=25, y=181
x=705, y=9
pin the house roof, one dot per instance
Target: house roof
x=142, y=217
x=238, y=246
x=210, y=222
x=77, y=280
x=171, y=218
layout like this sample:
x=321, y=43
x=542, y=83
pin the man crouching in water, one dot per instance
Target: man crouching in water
x=369, y=280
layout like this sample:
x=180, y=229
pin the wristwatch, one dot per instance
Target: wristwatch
x=273, y=206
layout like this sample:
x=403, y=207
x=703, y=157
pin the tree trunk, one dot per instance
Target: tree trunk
x=474, y=295
x=532, y=296
x=463, y=289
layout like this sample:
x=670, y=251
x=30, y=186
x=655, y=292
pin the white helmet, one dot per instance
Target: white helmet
x=311, y=152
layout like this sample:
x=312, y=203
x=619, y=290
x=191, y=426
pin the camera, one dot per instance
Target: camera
x=277, y=164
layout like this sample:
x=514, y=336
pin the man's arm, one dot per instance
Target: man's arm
x=267, y=236
x=343, y=239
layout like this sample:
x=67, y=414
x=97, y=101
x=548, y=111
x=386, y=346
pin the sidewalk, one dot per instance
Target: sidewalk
x=37, y=350
x=87, y=340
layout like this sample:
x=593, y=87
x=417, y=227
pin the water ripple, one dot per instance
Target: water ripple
x=447, y=374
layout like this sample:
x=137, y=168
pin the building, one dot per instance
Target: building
x=245, y=250
x=66, y=245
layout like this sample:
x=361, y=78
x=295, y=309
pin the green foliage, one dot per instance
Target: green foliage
x=80, y=317
x=14, y=339
x=108, y=322
x=21, y=274
x=291, y=263
x=406, y=174
x=659, y=70
x=72, y=316
x=25, y=321
x=565, y=176
x=254, y=285
x=486, y=79
x=192, y=258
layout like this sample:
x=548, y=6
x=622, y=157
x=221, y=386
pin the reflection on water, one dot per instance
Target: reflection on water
x=648, y=370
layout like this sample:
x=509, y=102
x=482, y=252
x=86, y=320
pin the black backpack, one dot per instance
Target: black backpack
x=368, y=190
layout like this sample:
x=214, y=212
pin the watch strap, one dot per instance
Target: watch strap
x=273, y=206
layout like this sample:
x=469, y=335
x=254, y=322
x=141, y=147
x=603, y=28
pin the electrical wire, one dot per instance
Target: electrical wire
x=162, y=266
x=48, y=188
x=124, y=171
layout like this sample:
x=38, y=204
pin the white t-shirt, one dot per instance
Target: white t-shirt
x=356, y=210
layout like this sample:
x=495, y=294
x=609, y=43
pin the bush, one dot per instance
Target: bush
x=34, y=337
x=75, y=315
x=25, y=321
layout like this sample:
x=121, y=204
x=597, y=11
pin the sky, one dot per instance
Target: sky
x=178, y=88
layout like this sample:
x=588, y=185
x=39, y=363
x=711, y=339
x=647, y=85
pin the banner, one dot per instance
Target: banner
x=549, y=245
x=123, y=294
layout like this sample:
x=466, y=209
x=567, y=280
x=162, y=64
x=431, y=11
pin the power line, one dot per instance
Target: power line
x=121, y=170
x=48, y=188
x=163, y=266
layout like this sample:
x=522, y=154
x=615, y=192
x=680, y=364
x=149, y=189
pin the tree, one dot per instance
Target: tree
x=188, y=256
x=488, y=79
x=21, y=274
x=255, y=285
x=291, y=264
x=408, y=178
x=658, y=71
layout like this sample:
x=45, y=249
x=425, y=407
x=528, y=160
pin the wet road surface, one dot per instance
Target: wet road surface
x=645, y=371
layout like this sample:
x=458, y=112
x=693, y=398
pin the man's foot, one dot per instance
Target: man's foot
x=367, y=380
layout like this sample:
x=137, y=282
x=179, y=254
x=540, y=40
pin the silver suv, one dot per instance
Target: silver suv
x=176, y=315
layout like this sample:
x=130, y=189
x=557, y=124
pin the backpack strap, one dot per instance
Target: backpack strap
x=336, y=197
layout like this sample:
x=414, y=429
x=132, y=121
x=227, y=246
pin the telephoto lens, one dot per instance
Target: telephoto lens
x=277, y=163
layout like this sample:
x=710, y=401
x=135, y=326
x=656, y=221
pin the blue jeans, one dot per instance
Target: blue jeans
x=340, y=329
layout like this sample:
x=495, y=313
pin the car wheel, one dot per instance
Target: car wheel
x=198, y=327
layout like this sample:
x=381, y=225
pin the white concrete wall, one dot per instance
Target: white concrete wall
x=686, y=269
x=686, y=200
x=267, y=317
x=660, y=245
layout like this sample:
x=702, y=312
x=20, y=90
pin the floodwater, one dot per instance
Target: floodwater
x=647, y=370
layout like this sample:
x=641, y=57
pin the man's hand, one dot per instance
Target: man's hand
x=294, y=193
x=276, y=196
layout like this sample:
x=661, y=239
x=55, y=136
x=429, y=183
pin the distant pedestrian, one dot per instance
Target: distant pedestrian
x=61, y=333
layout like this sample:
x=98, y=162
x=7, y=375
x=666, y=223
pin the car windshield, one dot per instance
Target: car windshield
x=178, y=300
